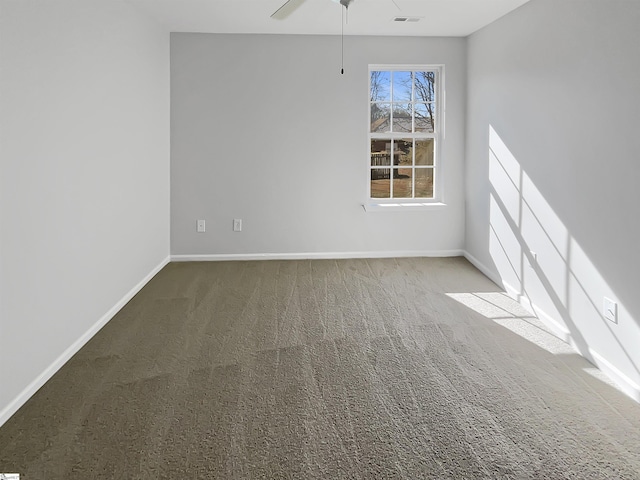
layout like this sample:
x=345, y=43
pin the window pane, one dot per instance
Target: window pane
x=380, y=89
x=380, y=183
x=402, y=182
x=424, y=152
x=425, y=87
x=381, y=152
x=401, y=86
x=424, y=182
x=425, y=117
x=403, y=152
x=401, y=117
x=380, y=117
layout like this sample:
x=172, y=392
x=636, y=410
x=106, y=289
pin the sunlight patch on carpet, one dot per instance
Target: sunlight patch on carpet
x=506, y=312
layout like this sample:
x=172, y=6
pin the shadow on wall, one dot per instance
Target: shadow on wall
x=543, y=266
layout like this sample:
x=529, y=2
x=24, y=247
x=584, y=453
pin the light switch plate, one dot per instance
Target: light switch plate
x=610, y=310
x=200, y=226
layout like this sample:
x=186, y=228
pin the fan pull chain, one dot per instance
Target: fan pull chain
x=342, y=42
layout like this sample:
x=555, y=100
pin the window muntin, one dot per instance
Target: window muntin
x=404, y=132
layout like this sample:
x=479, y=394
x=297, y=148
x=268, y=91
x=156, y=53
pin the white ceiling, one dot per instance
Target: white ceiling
x=323, y=17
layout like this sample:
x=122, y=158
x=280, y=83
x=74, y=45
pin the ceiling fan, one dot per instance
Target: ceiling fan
x=291, y=5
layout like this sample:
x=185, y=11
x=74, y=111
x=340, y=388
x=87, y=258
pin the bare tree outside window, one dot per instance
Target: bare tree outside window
x=379, y=94
x=425, y=92
x=378, y=86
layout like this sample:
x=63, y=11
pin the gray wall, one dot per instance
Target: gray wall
x=264, y=128
x=552, y=167
x=84, y=136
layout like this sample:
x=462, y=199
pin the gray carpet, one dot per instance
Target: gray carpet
x=348, y=369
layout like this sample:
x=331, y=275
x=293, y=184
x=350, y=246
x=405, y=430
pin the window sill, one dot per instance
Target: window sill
x=402, y=207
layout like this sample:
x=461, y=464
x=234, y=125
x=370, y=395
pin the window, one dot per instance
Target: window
x=404, y=133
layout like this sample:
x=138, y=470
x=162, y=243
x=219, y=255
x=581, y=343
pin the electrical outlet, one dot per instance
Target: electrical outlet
x=610, y=310
x=200, y=226
x=237, y=224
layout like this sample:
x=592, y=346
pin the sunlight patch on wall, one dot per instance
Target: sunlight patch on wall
x=542, y=265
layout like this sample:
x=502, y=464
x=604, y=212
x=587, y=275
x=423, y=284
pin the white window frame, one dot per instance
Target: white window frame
x=393, y=204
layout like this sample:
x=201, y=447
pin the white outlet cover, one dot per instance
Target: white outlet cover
x=610, y=310
x=200, y=226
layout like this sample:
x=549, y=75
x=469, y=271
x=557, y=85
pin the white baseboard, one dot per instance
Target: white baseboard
x=624, y=383
x=490, y=274
x=551, y=323
x=36, y=384
x=314, y=255
x=558, y=330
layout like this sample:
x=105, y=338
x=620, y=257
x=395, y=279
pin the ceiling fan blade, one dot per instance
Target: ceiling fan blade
x=287, y=9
